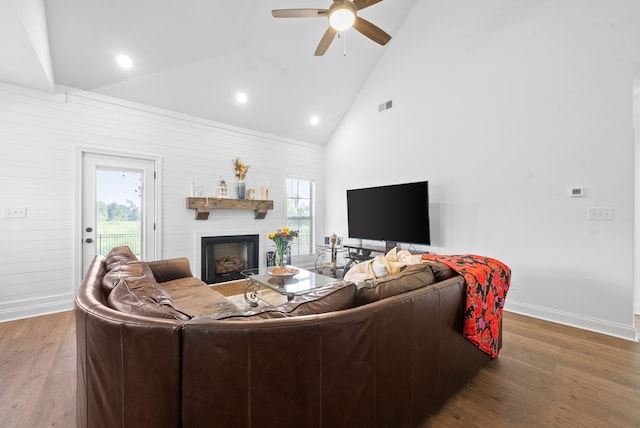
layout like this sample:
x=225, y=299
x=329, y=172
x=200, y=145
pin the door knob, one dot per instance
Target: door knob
x=88, y=240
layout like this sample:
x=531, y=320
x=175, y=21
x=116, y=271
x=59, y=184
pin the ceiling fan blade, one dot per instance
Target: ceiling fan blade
x=326, y=40
x=361, y=4
x=373, y=32
x=298, y=13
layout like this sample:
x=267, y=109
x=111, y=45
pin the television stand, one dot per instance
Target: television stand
x=359, y=253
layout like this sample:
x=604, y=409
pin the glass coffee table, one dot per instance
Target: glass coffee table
x=293, y=282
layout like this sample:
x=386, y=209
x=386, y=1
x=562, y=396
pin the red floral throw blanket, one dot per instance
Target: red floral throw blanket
x=487, y=282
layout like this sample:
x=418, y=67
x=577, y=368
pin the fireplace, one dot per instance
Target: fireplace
x=224, y=257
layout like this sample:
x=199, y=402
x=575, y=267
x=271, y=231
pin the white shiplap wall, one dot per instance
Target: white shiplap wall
x=40, y=137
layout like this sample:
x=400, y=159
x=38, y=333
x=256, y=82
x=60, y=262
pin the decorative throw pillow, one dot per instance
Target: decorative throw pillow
x=380, y=267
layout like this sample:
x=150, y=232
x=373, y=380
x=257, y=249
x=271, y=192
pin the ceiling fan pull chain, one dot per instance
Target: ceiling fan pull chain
x=344, y=40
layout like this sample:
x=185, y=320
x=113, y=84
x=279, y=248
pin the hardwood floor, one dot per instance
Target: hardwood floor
x=550, y=375
x=37, y=372
x=547, y=375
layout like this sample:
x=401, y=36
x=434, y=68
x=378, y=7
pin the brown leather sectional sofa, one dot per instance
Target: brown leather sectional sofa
x=160, y=356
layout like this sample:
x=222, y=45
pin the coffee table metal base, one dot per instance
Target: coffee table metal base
x=251, y=295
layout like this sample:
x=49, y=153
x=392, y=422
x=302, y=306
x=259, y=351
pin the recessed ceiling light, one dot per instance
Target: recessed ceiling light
x=124, y=61
x=314, y=120
x=241, y=97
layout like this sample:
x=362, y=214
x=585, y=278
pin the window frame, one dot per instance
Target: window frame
x=312, y=214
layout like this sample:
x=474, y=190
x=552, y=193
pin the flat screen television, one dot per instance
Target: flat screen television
x=394, y=213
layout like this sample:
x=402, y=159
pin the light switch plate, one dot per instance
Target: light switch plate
x=15, y=213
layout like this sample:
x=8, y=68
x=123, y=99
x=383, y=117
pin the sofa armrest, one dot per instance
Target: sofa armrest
x=170, y=269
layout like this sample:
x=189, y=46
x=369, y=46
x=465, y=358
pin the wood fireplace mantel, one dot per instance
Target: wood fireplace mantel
x=203, y=205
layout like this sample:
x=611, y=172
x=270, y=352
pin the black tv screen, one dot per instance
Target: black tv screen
x=395, y=213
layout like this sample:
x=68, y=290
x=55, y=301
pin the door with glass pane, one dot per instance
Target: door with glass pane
x=118, y=206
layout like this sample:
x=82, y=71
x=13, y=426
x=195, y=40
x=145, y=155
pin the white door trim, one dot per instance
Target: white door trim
x=80, y=151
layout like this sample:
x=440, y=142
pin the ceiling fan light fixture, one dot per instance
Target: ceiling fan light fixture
x=342, y=15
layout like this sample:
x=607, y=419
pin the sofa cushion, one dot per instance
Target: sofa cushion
x=441, y=271
x=194, y=297
x=124, y=270
x=411, y=278
x=119, y=255
x=334, y=297
x=170, y=269
x=143, y=296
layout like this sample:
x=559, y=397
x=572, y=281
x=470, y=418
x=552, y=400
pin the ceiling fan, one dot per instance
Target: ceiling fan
x=342, y=14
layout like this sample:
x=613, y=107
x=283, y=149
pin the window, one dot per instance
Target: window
x=300, y=214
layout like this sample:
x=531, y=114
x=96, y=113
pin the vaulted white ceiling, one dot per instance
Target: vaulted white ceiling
x=193, y=57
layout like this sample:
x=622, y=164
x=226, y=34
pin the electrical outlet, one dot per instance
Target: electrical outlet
x=15, y=213
x=600, y=214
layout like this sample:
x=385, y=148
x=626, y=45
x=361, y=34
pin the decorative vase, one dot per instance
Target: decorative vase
x=279, y=258
x=281, y=255
x=241, y=189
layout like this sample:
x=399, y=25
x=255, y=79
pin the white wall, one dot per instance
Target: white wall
x=502, y=106
x=40, y=135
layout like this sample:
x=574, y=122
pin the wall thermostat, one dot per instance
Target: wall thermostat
x=576, y=191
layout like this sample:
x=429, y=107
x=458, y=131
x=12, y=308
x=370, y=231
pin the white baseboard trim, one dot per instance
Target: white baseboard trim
x=622, y=331
x=33, y=308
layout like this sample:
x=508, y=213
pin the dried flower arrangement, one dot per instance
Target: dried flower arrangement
x=241, y=169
